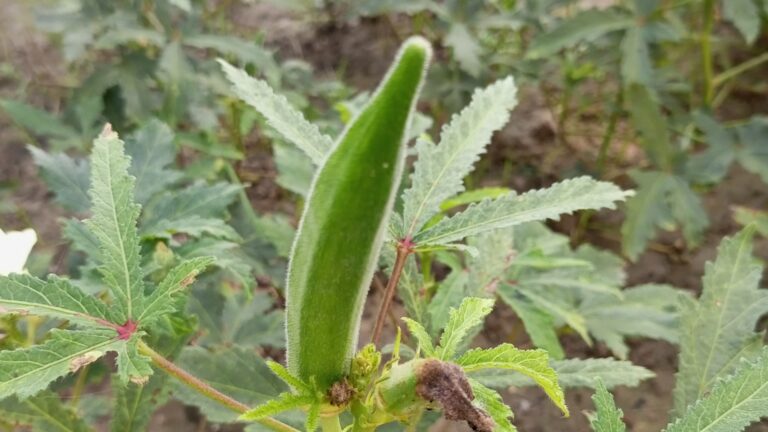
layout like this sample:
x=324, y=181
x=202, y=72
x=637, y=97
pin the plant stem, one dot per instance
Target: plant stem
x=706, y=51
x=206, y=390
x=609, y=132
x=330, y=424
x=389, y=293
x=739, y=69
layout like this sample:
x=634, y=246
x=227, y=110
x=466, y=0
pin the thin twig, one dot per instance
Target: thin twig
x=206, y=390
x=397, y=270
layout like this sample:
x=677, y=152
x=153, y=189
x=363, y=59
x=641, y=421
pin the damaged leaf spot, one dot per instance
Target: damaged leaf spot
x=447, y=384
x=341, y=393
x=78, y=362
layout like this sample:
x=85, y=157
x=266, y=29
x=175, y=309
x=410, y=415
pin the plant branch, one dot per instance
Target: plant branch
x=330, y=424
x=706, y=51
x=403, y=250
x=206, y=390
x=739, y=69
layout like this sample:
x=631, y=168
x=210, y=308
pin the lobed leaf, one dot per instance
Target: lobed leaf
x=461, y=323
x=719, y=329
x=66, y=177
x=608, y=417
x=151, y=150
x=531, y=363
x=25, y=372
x=114, y=224
x=55, y=298
x=161, y=300
x=491, y=401
x=440, y=169
x=580, y=193
x=422, y=337
x=285, y=119
x=733, y=403
x=572, y=373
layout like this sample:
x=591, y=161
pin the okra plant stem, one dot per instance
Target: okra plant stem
x=402, y=255
x=206, y=390
x=330, y=424
x=706, y=51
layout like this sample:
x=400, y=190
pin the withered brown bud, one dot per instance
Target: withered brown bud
x=447, y=384
x=341, y=393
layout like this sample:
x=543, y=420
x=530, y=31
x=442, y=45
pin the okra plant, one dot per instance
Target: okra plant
x=356, y=220
x=722, y=382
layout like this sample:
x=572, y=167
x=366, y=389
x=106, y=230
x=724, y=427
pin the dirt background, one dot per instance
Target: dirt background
x=32, y=68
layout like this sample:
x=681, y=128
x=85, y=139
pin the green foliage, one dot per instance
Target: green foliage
x=733, y=402
x=440, y=169
x=44, y=412
x=608, y=416
x=719, y=328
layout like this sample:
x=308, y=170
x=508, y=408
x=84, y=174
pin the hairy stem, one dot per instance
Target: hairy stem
x=389, y=293
x=330, y=424
x=206, y=390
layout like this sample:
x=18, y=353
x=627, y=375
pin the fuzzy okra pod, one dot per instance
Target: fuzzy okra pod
x=339, y=237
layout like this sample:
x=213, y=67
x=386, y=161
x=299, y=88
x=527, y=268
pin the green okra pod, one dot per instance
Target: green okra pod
x=339, y=237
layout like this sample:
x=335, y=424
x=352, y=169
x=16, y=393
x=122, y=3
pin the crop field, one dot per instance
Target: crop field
x=383, y=215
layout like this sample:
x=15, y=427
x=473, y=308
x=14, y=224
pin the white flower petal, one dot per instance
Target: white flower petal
x=15, y=247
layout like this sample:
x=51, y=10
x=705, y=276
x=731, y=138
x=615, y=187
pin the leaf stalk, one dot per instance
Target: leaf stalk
x=206, y=390
x=404, y=248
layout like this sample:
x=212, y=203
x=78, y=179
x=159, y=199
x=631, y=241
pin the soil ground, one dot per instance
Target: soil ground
x=31, y=68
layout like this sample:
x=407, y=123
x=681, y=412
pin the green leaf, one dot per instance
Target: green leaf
x=531, y=363
x=114, y=224
x=587, y=26
x=175, y=210
x=733, y=403
x=422, y=337
x=466, y=49
x=746, y=216
x=450, y=293
x=245, y=51
x=648, y=310
x=472, y=196
x=440, y=169
x=608, y=418
x=711, y=165
x=44, y=412
x=239, y=373
x=461, y=324
x=25, y=372
x=132, y=365
x=539, y=325
x=490, y=401
x=284, y=402
x=745, y=15
x=636, y=65
x=37, y=121
x=237, y=320
x=349, y=204
x=67, y=177
x=151, y=150
x=579, y=193
x=161, y=300
x=134, y=404
x=752, y=153
x=662, y=201
x=573, y=373
x=279, y=113
x=193, y=225
x=294, y=167
x=719, y=329
x=648, y=120
x=55, y=298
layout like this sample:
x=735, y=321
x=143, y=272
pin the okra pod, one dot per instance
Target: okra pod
x=339, y=237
